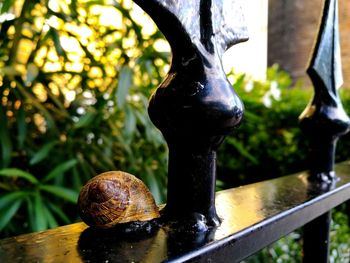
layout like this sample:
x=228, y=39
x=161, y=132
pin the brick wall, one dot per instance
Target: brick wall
x=292, y=30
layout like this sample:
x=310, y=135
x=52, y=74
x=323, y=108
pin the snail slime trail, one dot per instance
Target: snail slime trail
x=118, y=200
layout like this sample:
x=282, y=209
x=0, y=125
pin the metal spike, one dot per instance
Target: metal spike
x=324, y=119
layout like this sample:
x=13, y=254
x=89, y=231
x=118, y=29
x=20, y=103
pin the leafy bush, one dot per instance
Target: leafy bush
x=74, y=82
x=269, y=142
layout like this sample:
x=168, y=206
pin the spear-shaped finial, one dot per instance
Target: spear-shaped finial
x=324, y=120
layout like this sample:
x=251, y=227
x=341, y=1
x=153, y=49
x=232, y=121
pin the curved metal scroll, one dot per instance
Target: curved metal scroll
x=195, y=106
x=324, y=120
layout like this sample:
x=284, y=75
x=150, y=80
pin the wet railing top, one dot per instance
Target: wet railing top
x=253, y=216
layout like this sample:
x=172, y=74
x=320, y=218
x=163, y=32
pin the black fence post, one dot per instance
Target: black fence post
x=324, y=121
x=316, y=239
x=195, y=106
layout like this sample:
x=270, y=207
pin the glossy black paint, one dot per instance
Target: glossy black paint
x=195, y=107
x=315, y=231
x=252, y=216
x=324, y=121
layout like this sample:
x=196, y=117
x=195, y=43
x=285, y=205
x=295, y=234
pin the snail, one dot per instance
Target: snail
x=116, y=197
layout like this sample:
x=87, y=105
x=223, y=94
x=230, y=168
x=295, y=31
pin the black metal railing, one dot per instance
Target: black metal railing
x=195, y=108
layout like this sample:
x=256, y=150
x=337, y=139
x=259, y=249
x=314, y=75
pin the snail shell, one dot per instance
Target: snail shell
x=115, y=197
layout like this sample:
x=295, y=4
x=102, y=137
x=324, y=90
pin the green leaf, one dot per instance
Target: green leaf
x=8, y=213
x=57, y=42
x=124, y=84
x=58, y=211
x=60, y=15
x=64, y=193
x=9, y=198
x=5, y=140
x=130, y=122
x=60, y=169
x=6, y=6
x=14, y=172
x=77, y=180
x=58, y=101
x=32, y=72
x=73, y=8
x=85, y=120
x=31, y=213
x=40, y=218
x=153, y=185
x=42, y=153
x=239, y=84
x=51, y=221
x=241, y=149
x=21, y=126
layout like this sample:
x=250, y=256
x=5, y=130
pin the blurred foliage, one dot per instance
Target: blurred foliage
x=269, y=142
x=74, y=82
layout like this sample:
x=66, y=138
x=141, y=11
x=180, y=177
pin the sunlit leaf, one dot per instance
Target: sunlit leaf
x=42, y=153
x=8, y=213
x=59, y=170
x=94, y=2
x=62, y=16
x=36, y=103
x=14, y=172
x=59, y=104
x=240, y=82
x=57, y=42
x=64, y=193
x=124, y=84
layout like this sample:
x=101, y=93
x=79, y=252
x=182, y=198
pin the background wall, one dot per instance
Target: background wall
x=251, y=57
x=292, y=29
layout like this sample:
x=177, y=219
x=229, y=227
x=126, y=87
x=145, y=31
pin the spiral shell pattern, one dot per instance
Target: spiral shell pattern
x=115, y=197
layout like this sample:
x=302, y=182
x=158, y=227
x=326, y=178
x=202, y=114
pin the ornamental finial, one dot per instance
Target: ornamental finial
x=195, y=106
x=324, y=119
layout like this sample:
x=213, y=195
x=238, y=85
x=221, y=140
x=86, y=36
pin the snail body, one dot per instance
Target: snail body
x=116, y=197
